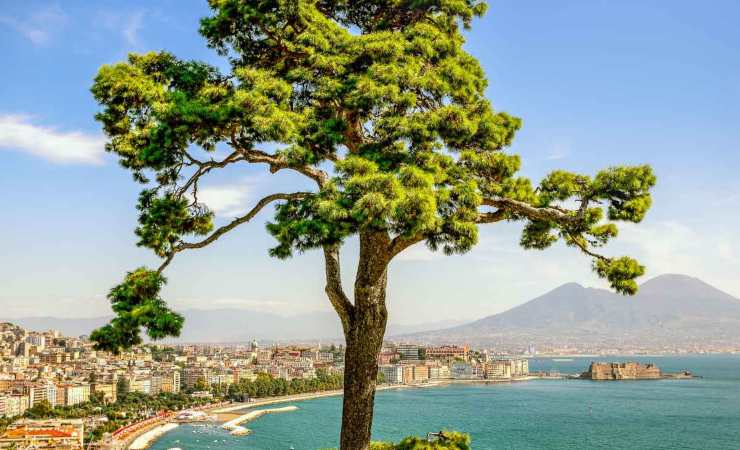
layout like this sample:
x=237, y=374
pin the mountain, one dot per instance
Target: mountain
x=668, y=309
x=232, y=325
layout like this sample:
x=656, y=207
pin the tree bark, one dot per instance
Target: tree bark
x=364, y=339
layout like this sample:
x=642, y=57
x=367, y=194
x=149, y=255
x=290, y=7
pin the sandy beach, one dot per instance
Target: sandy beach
x=146, y=439
x=231, y=414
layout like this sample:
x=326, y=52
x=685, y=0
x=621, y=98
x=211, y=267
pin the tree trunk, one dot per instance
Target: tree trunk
x=364, y=338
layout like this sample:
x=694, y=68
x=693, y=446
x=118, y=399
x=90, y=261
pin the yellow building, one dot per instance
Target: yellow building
x=109, y=391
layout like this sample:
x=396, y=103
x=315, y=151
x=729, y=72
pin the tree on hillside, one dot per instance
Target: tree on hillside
x=122, y=388
x=379, y=108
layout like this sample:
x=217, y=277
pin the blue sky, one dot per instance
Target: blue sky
x=597, y=83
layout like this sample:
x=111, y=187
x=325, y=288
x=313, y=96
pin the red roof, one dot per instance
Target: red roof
x=52, y=433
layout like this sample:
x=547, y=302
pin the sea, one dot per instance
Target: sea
x=697, y=414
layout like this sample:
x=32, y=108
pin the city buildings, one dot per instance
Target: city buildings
x=448, y=352
x=44, y=434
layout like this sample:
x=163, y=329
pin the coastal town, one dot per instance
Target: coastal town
x=59, y=390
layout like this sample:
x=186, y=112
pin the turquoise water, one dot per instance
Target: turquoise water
x=699, y=414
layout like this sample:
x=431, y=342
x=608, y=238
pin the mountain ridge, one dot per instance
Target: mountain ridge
x=670, y=308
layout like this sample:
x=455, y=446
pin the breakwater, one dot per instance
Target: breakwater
x=255, y=414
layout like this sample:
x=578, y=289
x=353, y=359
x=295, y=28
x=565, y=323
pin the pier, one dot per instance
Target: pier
x=233, y=424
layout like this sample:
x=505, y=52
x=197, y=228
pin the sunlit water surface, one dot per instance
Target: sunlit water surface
x=699, y=414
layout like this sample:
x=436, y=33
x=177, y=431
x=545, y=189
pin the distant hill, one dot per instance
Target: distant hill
x=669, y=308
x=231, y=325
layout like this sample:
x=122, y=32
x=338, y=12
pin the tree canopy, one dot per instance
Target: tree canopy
x=376, y=102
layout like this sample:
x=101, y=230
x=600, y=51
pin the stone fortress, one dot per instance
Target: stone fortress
x=622, y=371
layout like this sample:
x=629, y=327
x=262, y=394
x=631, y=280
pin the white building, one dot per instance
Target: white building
x=392, y=374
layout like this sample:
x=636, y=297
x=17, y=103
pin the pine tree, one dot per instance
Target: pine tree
x=379, y=107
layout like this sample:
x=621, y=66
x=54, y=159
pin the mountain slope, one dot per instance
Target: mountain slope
x=668, y=307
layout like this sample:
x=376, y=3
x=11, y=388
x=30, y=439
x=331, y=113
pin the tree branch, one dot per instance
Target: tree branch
x=205, y=167
x=401, y=243
x=584, y=248
x=531, y=212
x=277, y=162
x=230, y=226
x=337, y=297
x=491, y=217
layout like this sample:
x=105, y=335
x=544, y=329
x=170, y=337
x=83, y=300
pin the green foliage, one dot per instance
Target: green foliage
x=267, y=386
x=137, y=304
x=380, y=378
x=382, y=100
x=40, y=410
x=163, y=220
x=201, y=384
x=626, y=190
x=4, y=422
x=621, y=273
x=448, y=440
x=122, y=387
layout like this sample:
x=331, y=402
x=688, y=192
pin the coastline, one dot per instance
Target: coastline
x=147, y=438
x=302, y=397
x=226, y=414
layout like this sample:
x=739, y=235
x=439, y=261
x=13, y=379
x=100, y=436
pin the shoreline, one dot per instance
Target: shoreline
x=228, y=411
x=147, y=438
x=303, y=397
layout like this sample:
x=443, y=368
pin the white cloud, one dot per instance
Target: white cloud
x=420, y=252
x=39, y=27
x=282, y=308
x=132, y=26
x=673, y=247
x=128, y=25
x=19, y=133
x=226, y=200
x=558, y=152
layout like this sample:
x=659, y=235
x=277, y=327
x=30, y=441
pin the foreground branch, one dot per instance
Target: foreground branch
x=230, y=226
x=205, y=167
x=548, y=213
x=277, y=162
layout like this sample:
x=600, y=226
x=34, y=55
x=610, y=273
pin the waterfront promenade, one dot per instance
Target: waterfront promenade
x=149, y=430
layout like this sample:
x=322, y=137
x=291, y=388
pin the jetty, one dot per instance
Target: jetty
x=233, y=425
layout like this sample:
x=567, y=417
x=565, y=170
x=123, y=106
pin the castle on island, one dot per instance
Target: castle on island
x=622, y=371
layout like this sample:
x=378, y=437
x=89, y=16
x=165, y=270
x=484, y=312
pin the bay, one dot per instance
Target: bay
x=698, y=414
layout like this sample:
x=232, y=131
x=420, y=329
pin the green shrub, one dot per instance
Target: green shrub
x=448, y=440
